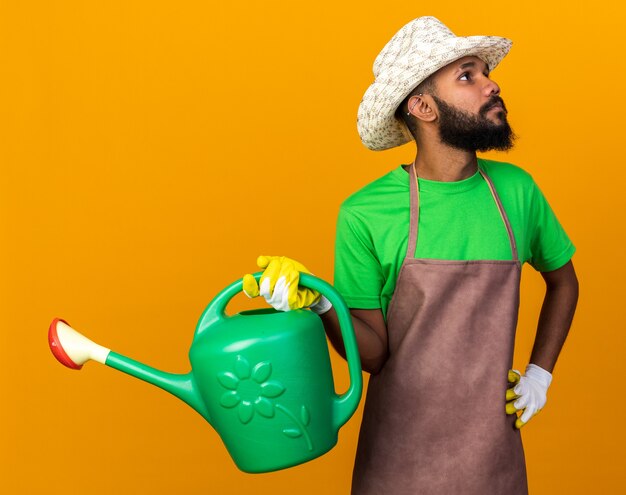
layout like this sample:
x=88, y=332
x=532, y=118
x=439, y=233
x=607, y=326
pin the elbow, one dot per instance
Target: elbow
x=374, y=365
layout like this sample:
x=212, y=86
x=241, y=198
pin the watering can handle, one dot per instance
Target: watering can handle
x=346, y=403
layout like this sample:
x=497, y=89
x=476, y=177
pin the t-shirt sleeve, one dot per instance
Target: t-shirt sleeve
x=550, y=246
x=358, y=274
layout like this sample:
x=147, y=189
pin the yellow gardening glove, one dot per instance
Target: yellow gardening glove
x=528, y=392
x=279, y=285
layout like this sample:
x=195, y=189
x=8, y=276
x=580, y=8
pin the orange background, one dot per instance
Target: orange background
x=149, y=151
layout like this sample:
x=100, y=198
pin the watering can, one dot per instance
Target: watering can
x=261, y=378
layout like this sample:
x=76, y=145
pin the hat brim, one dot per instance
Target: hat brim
x=377, y=125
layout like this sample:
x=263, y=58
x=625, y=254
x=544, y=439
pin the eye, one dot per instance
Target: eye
x=465, y=76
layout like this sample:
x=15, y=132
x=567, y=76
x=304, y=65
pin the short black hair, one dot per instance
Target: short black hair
x=427, y=86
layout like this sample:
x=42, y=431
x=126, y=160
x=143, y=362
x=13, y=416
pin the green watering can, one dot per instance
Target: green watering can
x=261, y=378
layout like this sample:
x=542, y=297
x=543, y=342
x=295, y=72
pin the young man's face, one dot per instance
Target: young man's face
x=472, y=116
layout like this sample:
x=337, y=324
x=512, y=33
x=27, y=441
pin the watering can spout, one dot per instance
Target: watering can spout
x=73, y=349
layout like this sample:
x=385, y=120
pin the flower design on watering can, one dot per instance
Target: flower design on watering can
x=250, y=390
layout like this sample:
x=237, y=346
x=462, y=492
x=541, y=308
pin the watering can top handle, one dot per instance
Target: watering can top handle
x=218, y=306
x=236, y=287
x=346, y=403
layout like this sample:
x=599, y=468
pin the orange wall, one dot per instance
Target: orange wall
x=149, y=151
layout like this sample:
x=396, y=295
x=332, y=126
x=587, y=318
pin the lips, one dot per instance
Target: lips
x=494, y=102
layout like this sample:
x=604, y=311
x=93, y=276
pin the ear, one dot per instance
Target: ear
x=421, y=107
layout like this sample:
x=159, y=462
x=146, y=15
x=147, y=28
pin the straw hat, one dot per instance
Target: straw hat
x=419, y=49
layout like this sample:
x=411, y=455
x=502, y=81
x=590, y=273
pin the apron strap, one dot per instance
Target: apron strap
x=415, y=212
x=503, y=214
x=414, y=223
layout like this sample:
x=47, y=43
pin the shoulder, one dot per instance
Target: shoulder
x=503, y=171
x=378, y=192
x=508, y=178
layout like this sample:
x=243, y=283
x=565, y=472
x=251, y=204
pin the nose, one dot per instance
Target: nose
x=491, y=88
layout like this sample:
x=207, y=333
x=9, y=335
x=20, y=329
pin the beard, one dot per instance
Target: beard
x=468, y=132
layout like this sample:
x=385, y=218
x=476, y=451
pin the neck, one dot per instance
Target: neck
x=439, y=162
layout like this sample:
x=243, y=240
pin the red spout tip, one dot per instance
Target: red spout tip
x=57, y=349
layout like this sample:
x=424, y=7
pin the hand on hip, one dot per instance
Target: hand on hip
x=528, y=393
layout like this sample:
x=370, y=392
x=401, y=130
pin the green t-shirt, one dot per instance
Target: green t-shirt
x=458, y=221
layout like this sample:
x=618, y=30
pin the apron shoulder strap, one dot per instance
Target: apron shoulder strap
x=415, y=212
x=414, y=223
x=503, y=214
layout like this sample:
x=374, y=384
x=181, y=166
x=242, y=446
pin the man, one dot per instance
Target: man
x=430, y=268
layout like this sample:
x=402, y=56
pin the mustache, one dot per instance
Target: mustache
x=493, y=101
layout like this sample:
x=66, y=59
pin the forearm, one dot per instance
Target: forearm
x=372, y=349
x=556, y=316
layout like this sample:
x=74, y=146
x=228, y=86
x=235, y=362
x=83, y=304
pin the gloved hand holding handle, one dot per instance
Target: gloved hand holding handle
x=371, y=332
x=279, y=286
x=528, y=393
